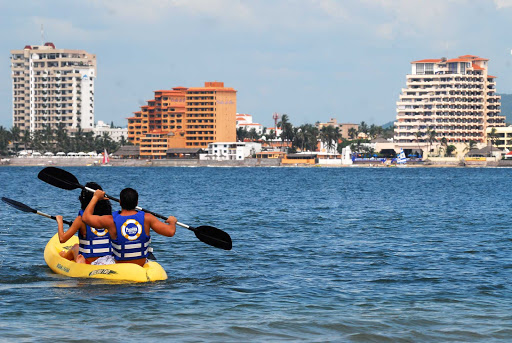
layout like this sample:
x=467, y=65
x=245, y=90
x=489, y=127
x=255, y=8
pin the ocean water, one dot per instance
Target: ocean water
x=319, y=255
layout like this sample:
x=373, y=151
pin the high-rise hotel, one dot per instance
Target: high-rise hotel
x=52, y=86
x=184, y=118
x=453, y=97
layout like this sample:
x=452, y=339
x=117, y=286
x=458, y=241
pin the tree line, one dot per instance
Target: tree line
x=56, y=140
x=305, y=137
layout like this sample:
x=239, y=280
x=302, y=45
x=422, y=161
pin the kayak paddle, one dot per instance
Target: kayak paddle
x=207, y=234
x=22, y=207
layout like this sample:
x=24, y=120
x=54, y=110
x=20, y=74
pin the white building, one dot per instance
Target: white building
x=52, y=86
x=225, y=151
x=115, y=133
x=455, y=97
x=245, y=121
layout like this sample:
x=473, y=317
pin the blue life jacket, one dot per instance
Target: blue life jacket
x=96, y=242
x=132, y=242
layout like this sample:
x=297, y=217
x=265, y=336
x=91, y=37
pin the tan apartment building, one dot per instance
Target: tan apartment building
x=504, y=137
x=455, y=97
x=52, y=86
x=184, y=118
x=344, y=127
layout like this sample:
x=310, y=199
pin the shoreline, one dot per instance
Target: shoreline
x=251, y=162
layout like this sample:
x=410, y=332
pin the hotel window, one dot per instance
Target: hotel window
x=452, y=67
x=420, y=68
x=429, y=68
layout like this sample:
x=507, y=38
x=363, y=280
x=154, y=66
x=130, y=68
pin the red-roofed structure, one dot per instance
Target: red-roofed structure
x=454, y=97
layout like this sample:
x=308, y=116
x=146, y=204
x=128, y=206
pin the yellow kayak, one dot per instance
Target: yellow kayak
x=151, y=271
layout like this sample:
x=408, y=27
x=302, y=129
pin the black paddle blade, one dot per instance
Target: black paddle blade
x=214, y=237
x=18, y=205
x=59, y=178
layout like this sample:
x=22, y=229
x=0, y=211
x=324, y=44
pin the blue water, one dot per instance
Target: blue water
x=319, y=254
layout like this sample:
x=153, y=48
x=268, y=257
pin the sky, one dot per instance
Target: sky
x=310, y=59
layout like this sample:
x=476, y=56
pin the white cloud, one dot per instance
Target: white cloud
x=502, y=3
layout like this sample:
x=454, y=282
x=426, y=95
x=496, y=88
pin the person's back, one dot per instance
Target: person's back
x=94, y=244
x=129, y=229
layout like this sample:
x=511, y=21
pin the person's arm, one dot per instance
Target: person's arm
x=65, y=236
x=103, y=222
x=167, y=229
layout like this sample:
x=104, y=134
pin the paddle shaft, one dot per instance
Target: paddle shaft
x=65, y=180
x=143, y=209
x=53, y=217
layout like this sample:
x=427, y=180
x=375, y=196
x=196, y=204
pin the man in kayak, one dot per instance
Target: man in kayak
x=129, y=229
x=94, y=244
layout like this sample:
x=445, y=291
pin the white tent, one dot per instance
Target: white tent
x=60, y=153
x=36, y=153
x=23, y=153
x=81, y=153
x=48, y=153
x=92, y=154
x=71, y=153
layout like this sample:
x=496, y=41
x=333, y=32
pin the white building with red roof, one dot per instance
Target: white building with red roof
x=245, y=121
x=456, y=98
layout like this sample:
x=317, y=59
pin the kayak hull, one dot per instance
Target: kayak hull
x=152, y=271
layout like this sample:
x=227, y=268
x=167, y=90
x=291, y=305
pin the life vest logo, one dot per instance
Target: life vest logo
x=99, y=232
x=131, y=229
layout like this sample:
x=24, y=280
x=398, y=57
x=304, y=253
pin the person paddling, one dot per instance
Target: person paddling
x=94, y=244
x=129, y=229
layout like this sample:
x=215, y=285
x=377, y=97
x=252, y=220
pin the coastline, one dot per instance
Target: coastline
x=250, y=162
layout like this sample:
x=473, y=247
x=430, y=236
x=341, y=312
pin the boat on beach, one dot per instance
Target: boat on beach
x=129, y=272
x=401, y=160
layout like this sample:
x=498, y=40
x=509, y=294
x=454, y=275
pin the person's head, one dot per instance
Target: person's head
x=129, y=198
x=86, y=196
x=102, y=207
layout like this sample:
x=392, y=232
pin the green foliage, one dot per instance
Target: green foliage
x=450, y=149
x=56, y=140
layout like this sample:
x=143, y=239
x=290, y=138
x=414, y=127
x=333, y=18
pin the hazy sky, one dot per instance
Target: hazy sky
x=310, y=59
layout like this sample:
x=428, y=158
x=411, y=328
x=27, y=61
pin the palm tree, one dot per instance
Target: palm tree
x=287, y=129
x=493, y=135
x=470, y=146
x=47, y=137
x=26, y=139
x=444, y=145
x=15, y=136
x=5, y=136
x=418, y=136
x=352, y=133
x=61, y=138
x=329, y=135
x=363, y=127
x=241, y=134
x=450, y=149
x=431, y=137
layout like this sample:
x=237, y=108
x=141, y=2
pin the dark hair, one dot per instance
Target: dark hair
x=129, y=198
x=102, y=207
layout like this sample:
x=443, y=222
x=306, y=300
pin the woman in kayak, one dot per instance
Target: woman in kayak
x=94, y=244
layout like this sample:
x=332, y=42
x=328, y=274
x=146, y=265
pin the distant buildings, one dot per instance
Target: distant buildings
x=503, y=138
x=52, y=86
x=184, y=118
x=344, y=128
x=453, y=97
x=245, y=121
x=230, y=151
x=116, y=133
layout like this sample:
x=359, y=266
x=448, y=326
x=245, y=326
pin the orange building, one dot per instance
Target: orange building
x=184, y=118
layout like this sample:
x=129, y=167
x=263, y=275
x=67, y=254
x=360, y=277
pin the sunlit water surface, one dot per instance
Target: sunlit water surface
x=319, y=254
